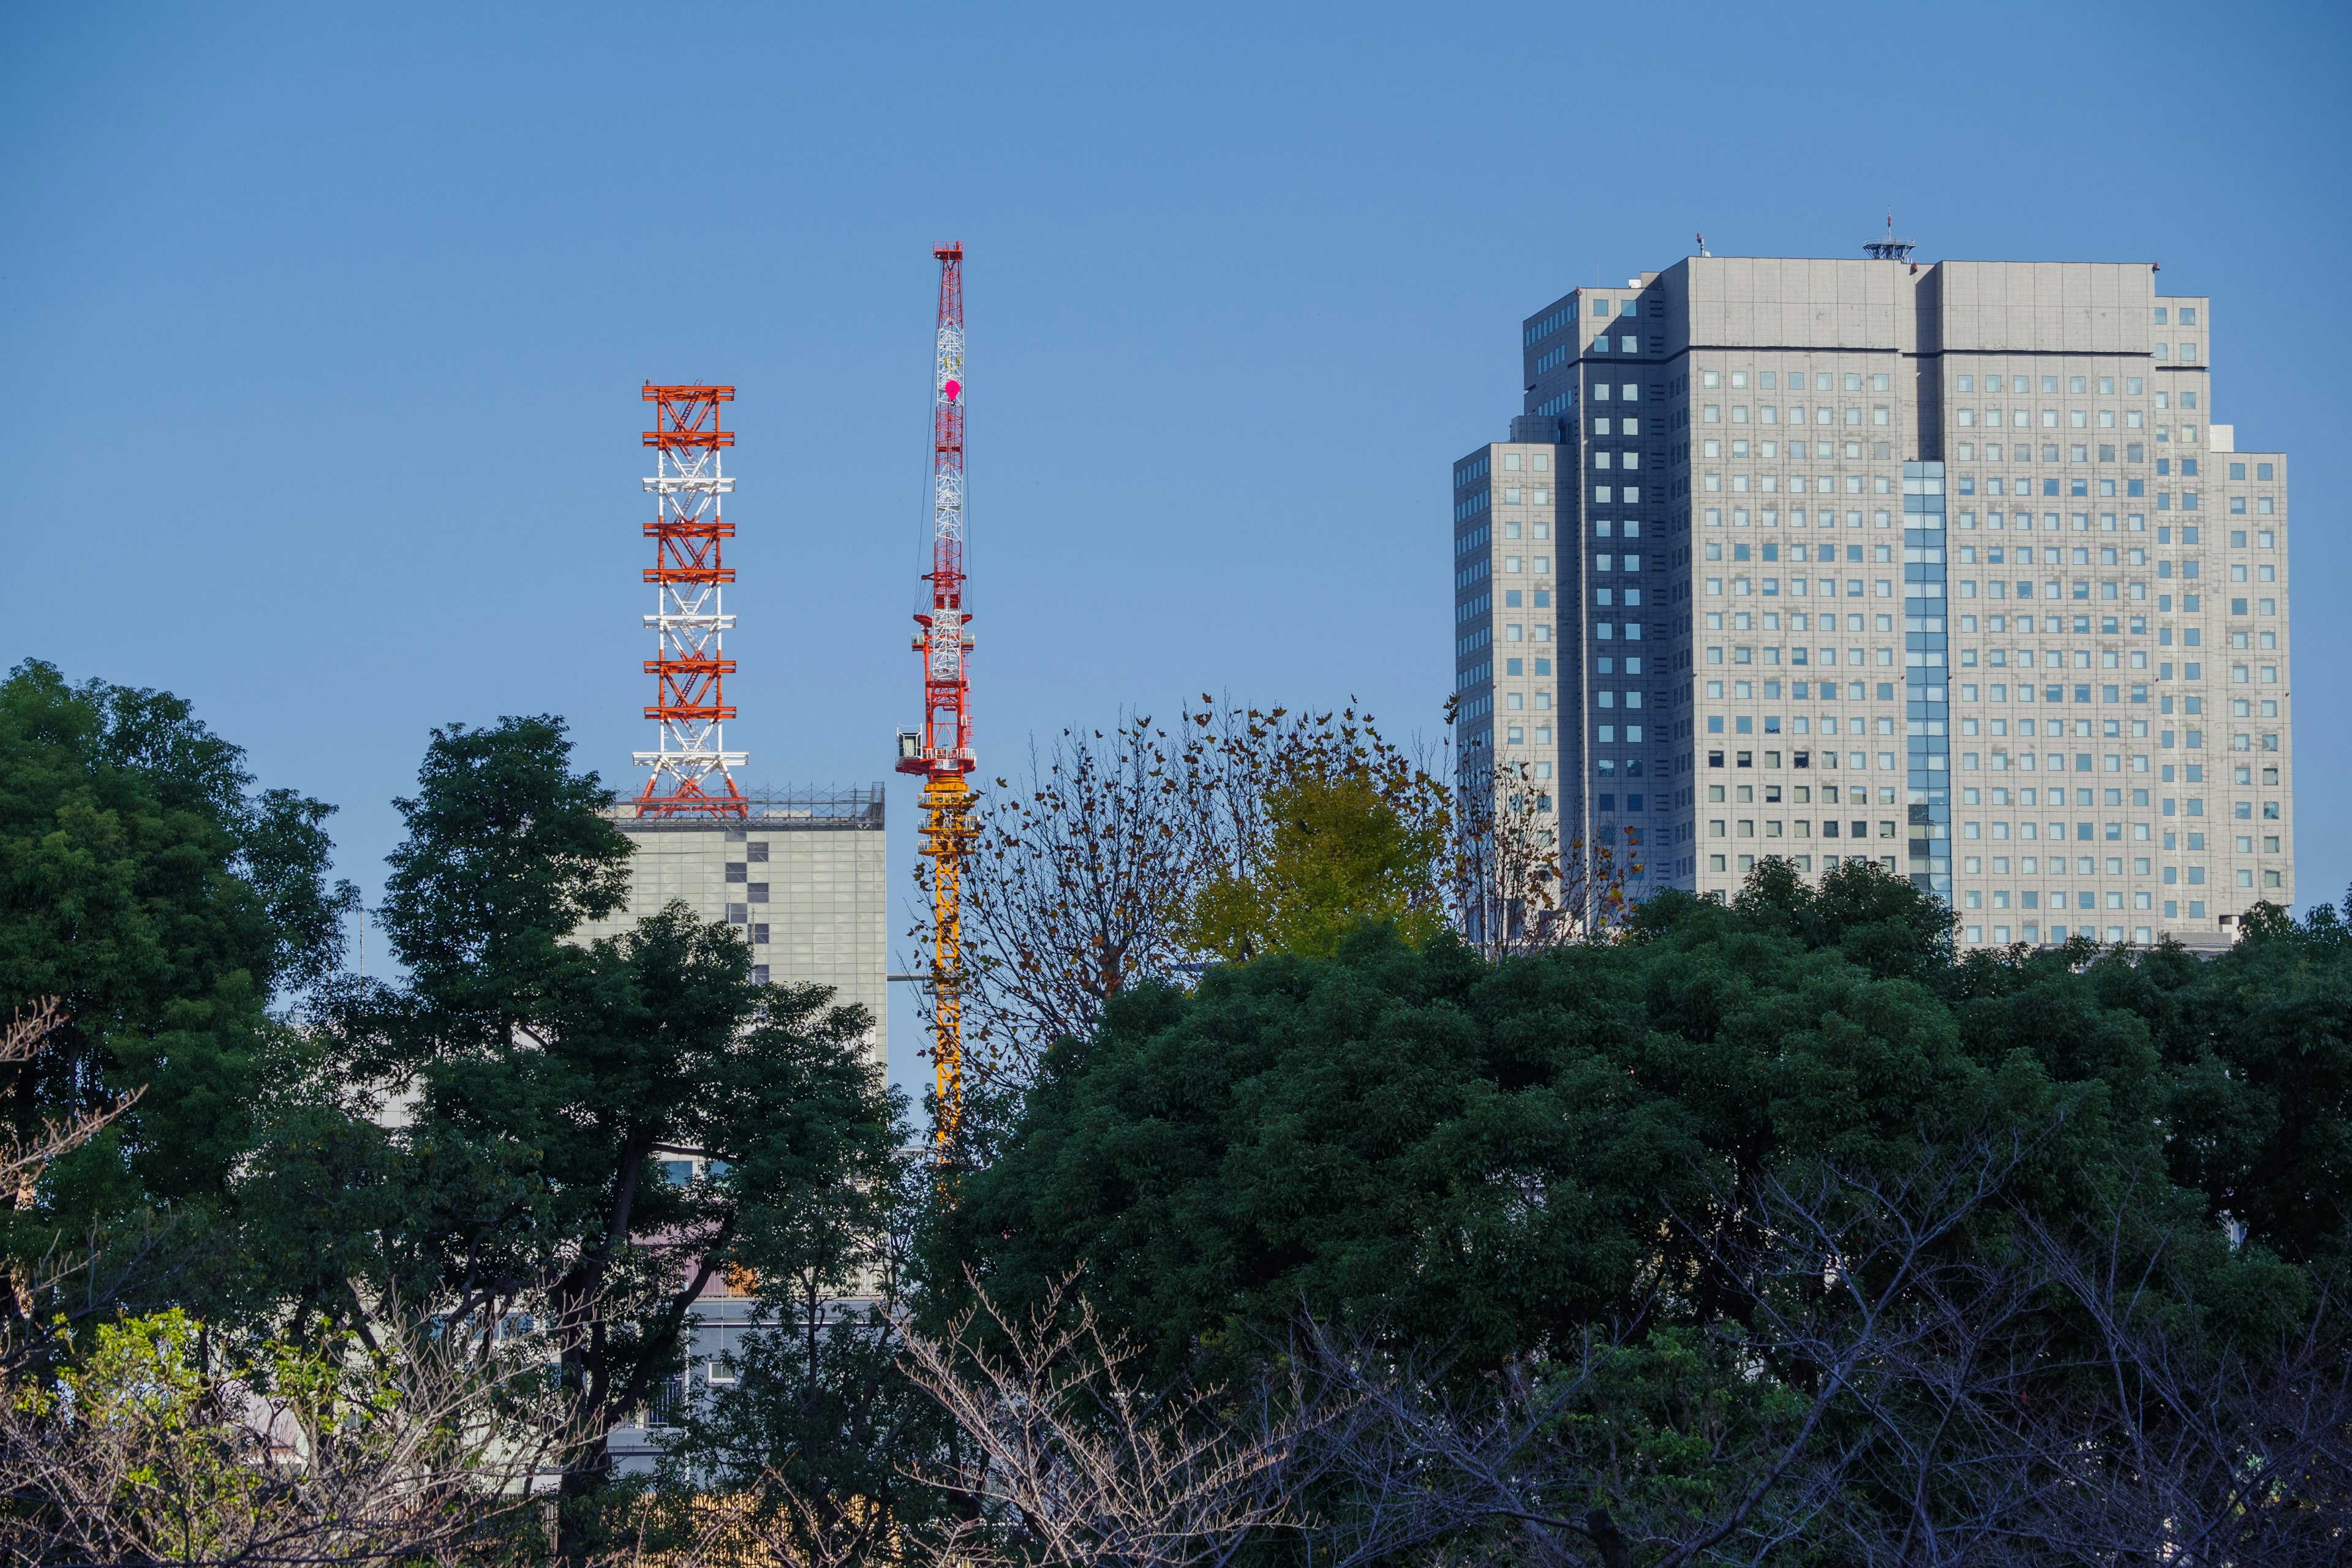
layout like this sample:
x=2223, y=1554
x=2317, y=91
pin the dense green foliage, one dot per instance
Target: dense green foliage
x=1337, y=854
x=1568, y=1170
x=1494, y=1158
x=547, y=1079
x=145, y=882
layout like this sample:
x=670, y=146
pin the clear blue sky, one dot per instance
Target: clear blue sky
x=323, y=327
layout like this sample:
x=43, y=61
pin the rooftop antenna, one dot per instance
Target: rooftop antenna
x=1702, y=243
x=1890, y=248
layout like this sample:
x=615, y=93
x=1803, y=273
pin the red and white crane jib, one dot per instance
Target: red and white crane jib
x=947, y=638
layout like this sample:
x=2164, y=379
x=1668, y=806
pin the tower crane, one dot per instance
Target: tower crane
x=941, y=750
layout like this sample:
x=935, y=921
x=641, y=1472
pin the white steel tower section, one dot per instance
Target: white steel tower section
x=691, y=764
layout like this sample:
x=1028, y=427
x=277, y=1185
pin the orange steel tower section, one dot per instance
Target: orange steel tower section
x=692, y=768
x=942, y=751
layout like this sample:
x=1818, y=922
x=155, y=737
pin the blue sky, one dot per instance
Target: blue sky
x=323, y=325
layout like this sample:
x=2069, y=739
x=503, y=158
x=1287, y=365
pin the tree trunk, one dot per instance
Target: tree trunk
x=1615, y=1551
x=580, y=1526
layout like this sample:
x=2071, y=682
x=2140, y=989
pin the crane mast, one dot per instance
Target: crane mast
x=941, y=752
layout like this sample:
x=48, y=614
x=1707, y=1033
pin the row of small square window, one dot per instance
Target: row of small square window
x=1770, y=414
x=1824, y=484
x=2134, y=489
x=2143, y=901
x=1824, y=381
x=2076, y=418
x=2078, y=384
x=2031, y=935
x=1747, y=863
x=1854, y=793
x=1881, y=381
x=1826, y=552
x=1744, y=620
x=2242, y=708
x=1798, y=827
x=1857, y=762
x=2140, y=833
x=1827, y=451
x=2086, y=866
x=1855, y=587
x=1797, y=794
x=1801, y=691
x=2133, y=555
x=2029, y=898
x=2189, y=773
x=2108, y=624
x=2244, y=775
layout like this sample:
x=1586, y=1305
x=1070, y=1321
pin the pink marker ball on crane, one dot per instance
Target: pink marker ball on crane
x=954, y=389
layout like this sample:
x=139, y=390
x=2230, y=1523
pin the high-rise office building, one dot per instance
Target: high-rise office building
x=1946, y=566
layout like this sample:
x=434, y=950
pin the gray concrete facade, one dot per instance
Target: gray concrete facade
x=1949, y=558
x=804, y=877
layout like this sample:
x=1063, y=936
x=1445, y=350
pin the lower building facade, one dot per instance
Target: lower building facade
x=804, y=877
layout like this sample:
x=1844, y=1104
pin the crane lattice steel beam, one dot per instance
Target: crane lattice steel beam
x=941, y=751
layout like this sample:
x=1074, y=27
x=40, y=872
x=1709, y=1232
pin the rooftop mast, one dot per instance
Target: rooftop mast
x=691, y=765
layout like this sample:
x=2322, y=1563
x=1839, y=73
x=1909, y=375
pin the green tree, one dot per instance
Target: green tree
x=146, y=882
x=1498, y=1157
x=1336, y=853
x=1647, y=1169
x=554, y=1084
x=2259, y=1044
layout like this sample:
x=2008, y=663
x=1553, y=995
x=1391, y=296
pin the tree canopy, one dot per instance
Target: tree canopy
x=147, y=883
x=1495, y=1157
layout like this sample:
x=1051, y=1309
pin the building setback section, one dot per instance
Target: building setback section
x=1818, y=521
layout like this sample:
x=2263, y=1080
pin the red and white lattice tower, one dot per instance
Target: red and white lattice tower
x=693, y=770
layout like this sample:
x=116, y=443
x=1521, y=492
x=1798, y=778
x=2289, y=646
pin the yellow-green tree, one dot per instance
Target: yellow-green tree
x=1337, y=853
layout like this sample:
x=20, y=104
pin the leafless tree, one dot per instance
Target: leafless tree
x=1515, y=881
x=26, y=1155
x=416, y=1453
x=1074, y=888
x=1913, y=1372
x=1073, y=1461
x=1084, y=870
x=2175, y=1439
